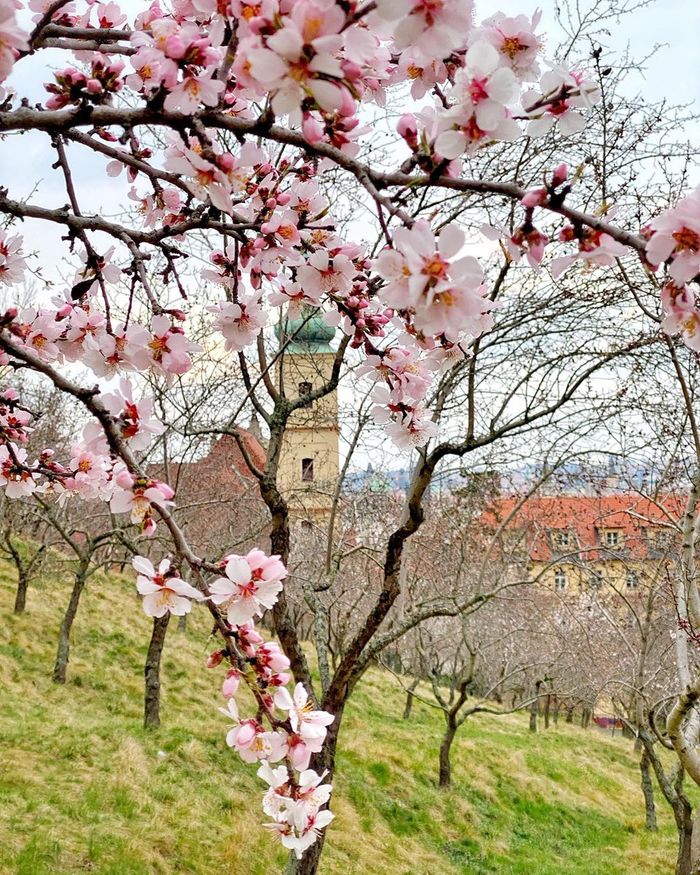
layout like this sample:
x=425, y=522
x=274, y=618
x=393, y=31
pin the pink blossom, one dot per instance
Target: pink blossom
x=481, y=92
x=12, y=264
x=163, y=589
x=193, y=92
x=299, y=60
x=516, y=42
x=596, y=248
x=402, y=368
x=169, y=349
x=435, y=28
x=307, y=722
x=676, y=237
x=561, y=93
x=251, y=740
x=90, y=474
x=231, y=683
x=326, y=274
x=14, y=475
x=240, y=323
x=137, y=496
x=298, y=840
x=12, y=41
x=681, y=314
x=251, y=586
x=134, y=419
x=446, y=296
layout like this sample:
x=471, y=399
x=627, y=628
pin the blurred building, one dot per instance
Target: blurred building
x=569, y=543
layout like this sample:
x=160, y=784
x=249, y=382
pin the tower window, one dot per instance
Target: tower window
x=307, y=469
x=305, y=389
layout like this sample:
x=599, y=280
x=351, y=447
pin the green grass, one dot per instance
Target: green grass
x=83, y=789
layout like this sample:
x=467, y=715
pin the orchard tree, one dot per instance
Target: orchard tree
x=216, y=121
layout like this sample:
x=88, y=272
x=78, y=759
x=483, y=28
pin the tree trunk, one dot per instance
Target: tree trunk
x=569, y=715
x=151, y=671
x=59, y=669
x=308, y=865
x=534, y=708
x=555, y=712
x=445, y=779
x=547, y=706
x=684, y=824
x=648, y=791
x=182, y=623
x=409, y=700
x=21, y=594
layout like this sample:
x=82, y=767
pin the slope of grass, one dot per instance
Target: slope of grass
x=84, y=789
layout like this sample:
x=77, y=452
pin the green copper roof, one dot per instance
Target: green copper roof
x=309, y=333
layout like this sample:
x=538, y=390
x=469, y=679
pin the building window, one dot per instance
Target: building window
x=562, y=539
x=632, y=581
x=560, y=581
x=305, y=389
x=612, y=538
x=307, y=469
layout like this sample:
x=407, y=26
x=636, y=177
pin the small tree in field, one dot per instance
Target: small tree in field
x=251, y=137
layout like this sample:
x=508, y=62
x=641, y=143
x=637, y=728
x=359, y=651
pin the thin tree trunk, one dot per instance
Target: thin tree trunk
x=648, y=791
x=151, y=671
x=569, y=715
x=547, y=706
x=308, y=865
x=182, y=623
x=684, y=823
x=61, y=665
x=21, y=594
x=555, y=712
x=534, y=708
x=445, y=778
x=409, y=700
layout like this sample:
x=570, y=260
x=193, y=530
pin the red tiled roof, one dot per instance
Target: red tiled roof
x=587, y=518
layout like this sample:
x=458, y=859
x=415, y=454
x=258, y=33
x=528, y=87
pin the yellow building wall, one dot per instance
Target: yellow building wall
x=312, y=433
x=611, y=572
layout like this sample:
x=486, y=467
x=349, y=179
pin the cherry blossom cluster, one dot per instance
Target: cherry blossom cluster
x=78, y=331
x=73, y=86
x=249, y=586
x=92, y=472
x=673, y=240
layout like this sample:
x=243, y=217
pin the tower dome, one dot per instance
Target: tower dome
x=308, y=333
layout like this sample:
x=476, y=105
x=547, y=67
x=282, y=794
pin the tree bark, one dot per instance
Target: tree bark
x=569, y=715
x=555, y=712
x=445, y=777
x=61, y=665
x=535, y=707
x=151, y=671
x=684, y=823
x=308, y=865
x=21, y=594
x=648, y=791
x=547, y=706
x=409, y=700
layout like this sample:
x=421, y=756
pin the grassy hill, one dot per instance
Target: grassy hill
x=84, y=789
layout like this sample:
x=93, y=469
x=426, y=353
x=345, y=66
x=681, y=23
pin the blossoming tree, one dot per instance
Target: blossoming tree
x=217, y=122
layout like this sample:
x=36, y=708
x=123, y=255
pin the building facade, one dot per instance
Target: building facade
x=309, y=460
x=573, y=543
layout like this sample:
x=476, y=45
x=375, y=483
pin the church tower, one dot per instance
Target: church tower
x=309, y=460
